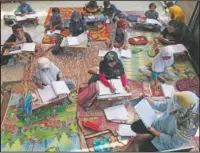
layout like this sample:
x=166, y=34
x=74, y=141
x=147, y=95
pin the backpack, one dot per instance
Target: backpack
x=87, y=96
x=9, y=20
x=24, y=107
x=132, y=18
x=139, y=40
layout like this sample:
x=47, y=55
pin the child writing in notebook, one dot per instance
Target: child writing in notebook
x=111, y=68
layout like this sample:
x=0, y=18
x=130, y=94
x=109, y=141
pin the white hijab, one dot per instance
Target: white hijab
x=49, y=74
x=158, y=64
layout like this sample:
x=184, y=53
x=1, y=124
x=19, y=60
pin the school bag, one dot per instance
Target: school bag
x=9, y=20
x=87, y=96
x=139, y=40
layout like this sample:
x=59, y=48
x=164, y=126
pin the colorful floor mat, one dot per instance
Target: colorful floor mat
x=66, y=13
x=57, y=132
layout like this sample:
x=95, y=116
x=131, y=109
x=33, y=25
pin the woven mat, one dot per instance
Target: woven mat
x=66, y=13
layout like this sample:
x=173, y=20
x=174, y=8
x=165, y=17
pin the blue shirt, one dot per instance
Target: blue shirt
x=166, y=125
x=25, y=9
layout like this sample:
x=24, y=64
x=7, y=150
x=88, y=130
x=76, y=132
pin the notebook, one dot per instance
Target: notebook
x=106, y=90
x=52, y=91
x=72, y=41
x=25, y=47
x=146, y=112
x=118, y=112
x=125, y=130
x=53, y=33
x=178, y=48
x=153, y=21
x=167, y=90
x=27, y=16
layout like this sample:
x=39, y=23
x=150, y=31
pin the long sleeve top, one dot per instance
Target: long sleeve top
x=166, y=125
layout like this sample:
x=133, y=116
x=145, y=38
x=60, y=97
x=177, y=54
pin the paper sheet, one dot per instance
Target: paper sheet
x=146, y=112
x=118, y=85
x=31, y=16
x=28, y=47
x=125, y=130
x=102, y=53
x=53, y=33
x=46, y=94
x=103, y=90
x=153, y=21
x=118, y=112
x=21, y=18
x=178, y=48
x=72, y=41
x=126, y=53
x=60, y=87
x=168, y=90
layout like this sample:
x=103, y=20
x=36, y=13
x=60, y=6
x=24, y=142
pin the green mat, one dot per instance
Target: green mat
x=141, y=58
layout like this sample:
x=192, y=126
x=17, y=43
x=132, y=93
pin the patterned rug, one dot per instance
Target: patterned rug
x=57, y=132
x=66, y=13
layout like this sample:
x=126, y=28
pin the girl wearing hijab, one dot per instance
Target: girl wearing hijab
x=77, y=24
x=48, y=72
x=111, y=68
x=159, y=67
x=119, y=36
x=175, y=127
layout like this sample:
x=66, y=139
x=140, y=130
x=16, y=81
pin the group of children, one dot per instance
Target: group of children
x=171, y=130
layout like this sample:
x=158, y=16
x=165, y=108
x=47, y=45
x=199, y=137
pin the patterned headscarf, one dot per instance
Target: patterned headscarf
x=188, y=115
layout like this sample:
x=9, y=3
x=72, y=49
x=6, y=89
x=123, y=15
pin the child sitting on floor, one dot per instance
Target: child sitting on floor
x=55, y=22
x=151, y=13
x=91, y=7
x=119, y=36
x=111, y=11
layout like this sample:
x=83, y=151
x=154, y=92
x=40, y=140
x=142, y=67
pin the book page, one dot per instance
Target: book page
x=103, y=90
x=118, y=85
x=126, y=53
x=29, y=47
x=102, y=53
x=118, y=112
x=153, y=21
x=46, y=94
x=168, y=90
x=21, y=18
x=146, y=112
x=179, y=48
x=82, y=38
x=60, y=87
x=125, y=130
x=31, y=16
x=72, y=41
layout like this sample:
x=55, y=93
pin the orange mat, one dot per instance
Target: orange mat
x=66, y=13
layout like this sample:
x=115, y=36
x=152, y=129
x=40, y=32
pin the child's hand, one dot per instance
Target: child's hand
x=112, y=88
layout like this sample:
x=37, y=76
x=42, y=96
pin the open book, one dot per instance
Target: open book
x=146, y=112
x=118, y=112
x=178, y=48
x=52, y=91
x=27, y=16
x=25, y=47
x=53, y=33
x=72, y=41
